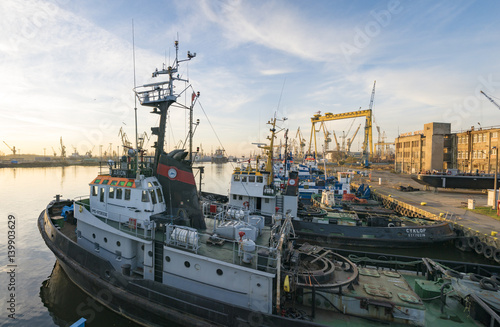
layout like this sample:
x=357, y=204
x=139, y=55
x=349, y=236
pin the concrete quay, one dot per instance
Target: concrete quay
x=445, y=204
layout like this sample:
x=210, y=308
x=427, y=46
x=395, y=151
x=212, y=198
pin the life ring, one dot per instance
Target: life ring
x=488, y=284
x=448, y=173
x=391, y=225
x=496, y=255
x=479, y=247
x=246, y=204
x=488, y=251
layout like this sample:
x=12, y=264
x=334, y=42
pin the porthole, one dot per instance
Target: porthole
x=93, y=235
x=219, y=272
x=105, y=240
x=142, y=247
x=107, y=274
x=118, y=243
x=197, y=267
x=167, y=258
x=258, y=284
x=150, y=253
x=187, y=264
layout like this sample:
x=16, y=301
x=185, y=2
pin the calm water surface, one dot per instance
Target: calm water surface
x=55, y=301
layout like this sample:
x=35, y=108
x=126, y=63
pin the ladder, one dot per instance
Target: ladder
x=158, y=261
x=279, y=203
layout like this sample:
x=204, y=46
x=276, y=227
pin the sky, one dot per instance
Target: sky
x=67, y=69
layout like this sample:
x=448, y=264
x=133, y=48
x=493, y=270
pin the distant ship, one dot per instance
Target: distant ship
x=219, y=156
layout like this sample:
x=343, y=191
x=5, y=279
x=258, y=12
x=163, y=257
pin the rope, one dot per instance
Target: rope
x=355, y=258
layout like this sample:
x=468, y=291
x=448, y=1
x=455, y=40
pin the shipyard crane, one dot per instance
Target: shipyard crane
x=349, y=141
x=55, y=153
x=125, y=142
x=327, y=136
x=336, y=142
x=367, y=143
x=302, y=141
x=63, y=149
x=489, y=98
x=13, y=149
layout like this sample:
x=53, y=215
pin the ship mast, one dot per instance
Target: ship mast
x=161, y=96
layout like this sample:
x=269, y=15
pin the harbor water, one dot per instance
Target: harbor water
x=34, y=289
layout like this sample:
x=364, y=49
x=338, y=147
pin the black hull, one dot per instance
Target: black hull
x=146, y=302
x=394, y=237
x=450, y=181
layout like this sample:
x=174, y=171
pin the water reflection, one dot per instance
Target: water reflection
x=66, y=303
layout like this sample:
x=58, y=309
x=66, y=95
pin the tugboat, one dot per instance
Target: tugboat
x=140, y=245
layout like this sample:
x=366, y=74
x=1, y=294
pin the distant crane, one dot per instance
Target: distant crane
x=55, y=153
x=349, y=141
x=125, y=142
x=63, y=149
x=489, y=98
x=13, y=149
x=302, y=142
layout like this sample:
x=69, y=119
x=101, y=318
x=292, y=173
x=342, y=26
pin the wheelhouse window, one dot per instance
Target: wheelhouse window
x=153, y=196
x=251, y=179
x=111, y=193
x=260, y=179
x=127, y=194
x=236, y=178
x=145, y=197
x=101, y=195
x=119, y=193
x=94, y=190
x=244, y=179
x=160, y=195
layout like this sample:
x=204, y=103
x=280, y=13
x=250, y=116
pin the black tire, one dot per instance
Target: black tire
x=461, y=243
x=496, y=255
x=488, y=284
x=488, y=252
x=472, y=240
x=476, y=277
x=479, y=247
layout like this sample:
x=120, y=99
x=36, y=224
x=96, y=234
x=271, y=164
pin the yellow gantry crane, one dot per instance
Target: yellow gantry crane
x=367, y=143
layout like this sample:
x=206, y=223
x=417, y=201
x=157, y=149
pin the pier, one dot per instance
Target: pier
x=445, y=205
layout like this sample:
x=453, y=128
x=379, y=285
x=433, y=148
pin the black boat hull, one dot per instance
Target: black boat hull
x=457, y=181
x=394, y=237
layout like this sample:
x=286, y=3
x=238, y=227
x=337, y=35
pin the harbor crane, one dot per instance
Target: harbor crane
x=13, y=149
x=302, y=141
x=63, y=149
x=367, y=143
x=489, y=98
x=125, y=142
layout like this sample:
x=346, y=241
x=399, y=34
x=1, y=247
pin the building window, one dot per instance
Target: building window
x=494, y=135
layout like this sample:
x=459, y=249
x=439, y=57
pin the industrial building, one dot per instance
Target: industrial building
x=477, y=150
x=426, y=150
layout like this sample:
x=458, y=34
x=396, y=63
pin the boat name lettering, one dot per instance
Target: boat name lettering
x=99, y=212
x=416, y=232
